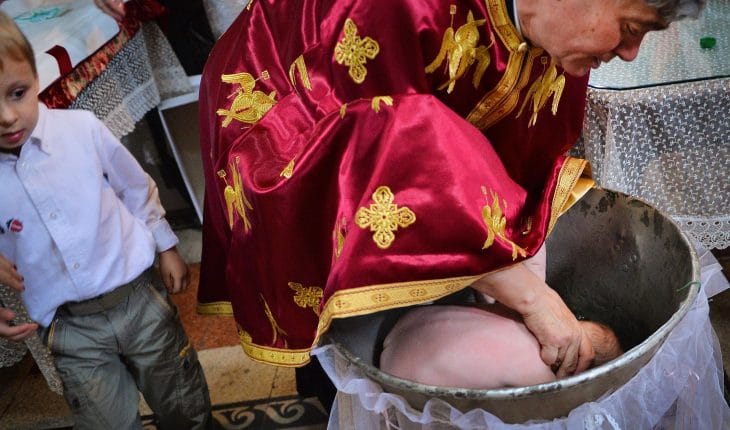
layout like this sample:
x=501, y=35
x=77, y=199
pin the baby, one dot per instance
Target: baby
x=477, y=346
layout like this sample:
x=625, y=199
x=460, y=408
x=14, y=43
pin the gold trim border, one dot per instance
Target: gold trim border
x=215, y=308
x=360, y=301
x=502, y=99
x=569, y=176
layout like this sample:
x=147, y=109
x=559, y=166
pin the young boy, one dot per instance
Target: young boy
x=80, y=224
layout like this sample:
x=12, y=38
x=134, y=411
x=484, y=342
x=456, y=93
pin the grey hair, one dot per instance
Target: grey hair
x=674, y=10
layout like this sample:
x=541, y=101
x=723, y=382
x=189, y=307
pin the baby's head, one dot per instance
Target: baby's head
x=18, y=87
x=605, y=343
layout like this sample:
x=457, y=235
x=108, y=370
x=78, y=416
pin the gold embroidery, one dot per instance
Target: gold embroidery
x=417, y=292
x=570, y=181
x=269, y=355
x=288, y=170
x=383, y=217
x=343, y=109
x=215, y=308
x=386, y=100
x=234, y=196
x=248, y=106
x=275, y=329
x=307, y=297
x=300, y=67
x=501, y=100
x=340, y=231
x=380, y=297
x=496, y=224
x=549, y=84
x=353, y=51
x=460, y=50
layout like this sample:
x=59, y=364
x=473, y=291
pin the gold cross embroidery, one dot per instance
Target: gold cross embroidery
x=353, y=51
x=235, y=199
x=307, y=297
x=496, y=224
x=460, y=50
x=248, y=106
x=383, y=217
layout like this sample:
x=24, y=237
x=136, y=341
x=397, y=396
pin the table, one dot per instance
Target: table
x=659, y=128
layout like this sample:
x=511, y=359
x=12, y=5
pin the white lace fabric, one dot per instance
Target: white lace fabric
x=668, y=145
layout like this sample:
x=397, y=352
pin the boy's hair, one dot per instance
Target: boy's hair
x=13, y=43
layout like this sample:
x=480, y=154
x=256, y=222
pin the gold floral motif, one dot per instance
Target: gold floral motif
x=342, y=304
x=417, y=292
x=380, y=297
x=275, y=329
x=248, y=106
x=307, y=297
x=343, y=110
x=234, y=196
x=496, y=224
x=383, y=217
x=459, y=49
x=288, y=170
x=354, y=51
x=549, y=84
x=375, y=103
x=299, y=66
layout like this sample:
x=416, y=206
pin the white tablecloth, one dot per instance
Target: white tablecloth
x=659, y=128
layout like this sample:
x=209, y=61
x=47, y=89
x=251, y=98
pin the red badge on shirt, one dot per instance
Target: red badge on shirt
x=15, y=225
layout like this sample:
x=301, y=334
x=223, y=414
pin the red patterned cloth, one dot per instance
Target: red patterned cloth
x=345, y=174
x=64, y=90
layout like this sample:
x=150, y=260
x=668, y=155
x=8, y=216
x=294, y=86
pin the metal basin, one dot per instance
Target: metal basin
x=613, y=259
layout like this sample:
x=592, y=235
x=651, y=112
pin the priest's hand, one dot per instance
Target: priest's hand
x=564, y=345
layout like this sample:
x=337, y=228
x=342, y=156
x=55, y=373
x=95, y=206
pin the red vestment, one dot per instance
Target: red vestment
x=361, y=155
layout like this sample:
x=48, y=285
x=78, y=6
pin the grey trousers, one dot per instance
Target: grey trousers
x=105, y=358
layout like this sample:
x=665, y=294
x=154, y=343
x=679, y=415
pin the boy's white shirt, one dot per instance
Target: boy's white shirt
x=78, y=214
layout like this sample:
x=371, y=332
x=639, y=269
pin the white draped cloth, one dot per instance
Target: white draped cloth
x=681, y=387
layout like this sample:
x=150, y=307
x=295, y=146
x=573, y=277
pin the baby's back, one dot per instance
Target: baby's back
x=478, y=347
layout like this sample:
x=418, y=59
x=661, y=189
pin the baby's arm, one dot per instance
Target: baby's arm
x=174, y=271
x=10, y=277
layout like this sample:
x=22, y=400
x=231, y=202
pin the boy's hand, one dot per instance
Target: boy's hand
x=9, y=275
x=174, y=271
x=14, y=332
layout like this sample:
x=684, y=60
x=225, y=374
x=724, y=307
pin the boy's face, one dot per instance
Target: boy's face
x=18, y=104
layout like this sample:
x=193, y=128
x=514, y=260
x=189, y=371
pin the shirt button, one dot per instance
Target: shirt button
x=53, y=215
x=76, y=265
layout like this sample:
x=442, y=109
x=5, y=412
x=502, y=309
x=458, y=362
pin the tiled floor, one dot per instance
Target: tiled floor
x=242, y=389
